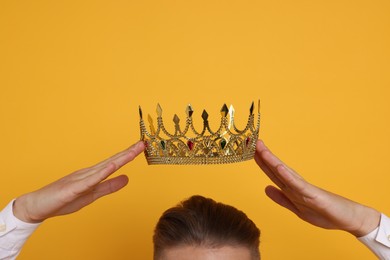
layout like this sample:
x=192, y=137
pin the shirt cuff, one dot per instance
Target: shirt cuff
x=378, y=240
x=13, y=232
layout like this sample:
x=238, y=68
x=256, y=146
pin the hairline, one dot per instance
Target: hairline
x=254, y=252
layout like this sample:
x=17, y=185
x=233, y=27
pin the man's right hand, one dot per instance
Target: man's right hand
x=310, y=203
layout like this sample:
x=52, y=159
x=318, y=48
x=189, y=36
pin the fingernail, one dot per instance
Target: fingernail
x=140, y=144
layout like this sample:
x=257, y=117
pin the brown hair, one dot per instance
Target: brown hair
x=200, y=221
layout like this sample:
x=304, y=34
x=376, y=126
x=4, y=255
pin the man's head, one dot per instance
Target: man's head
x=199, y=227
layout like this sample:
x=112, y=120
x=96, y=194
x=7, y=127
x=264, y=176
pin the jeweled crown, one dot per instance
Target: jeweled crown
x=228, y=144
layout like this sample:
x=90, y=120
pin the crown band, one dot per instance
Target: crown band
x=228, y=144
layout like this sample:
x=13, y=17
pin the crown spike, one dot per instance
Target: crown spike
x=176, y=119
x=159, y=110
x=231, y=117
x=189, y=110
x=205, y=115
x=231, y=111
x=224, y=110
x=258, y=106
x=140, y=112
x=252, y=107
x=152, y=130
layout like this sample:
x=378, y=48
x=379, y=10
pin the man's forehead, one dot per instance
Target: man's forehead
x=206, y=253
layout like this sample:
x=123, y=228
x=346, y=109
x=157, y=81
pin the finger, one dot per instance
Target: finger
x=93, y=177
x=89, y=183
x=273, y=162
x=280, y=198
x=269, y=172
x=132, y=152
x=110, y=186
x=260, y=148
x=117, y=160
x=104, y=188
x=296, y=185
x=81, y=185
x=129, y=153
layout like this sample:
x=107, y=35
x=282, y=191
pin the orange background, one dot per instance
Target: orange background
x=72, y=74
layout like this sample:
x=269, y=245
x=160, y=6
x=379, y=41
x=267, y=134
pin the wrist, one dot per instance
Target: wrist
x=369, y=219
x=21, y=210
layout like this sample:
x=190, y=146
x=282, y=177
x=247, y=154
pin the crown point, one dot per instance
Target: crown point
x=176, y=119
x=152, y=130
x=189, y=110
x=258, y=107
x=252, y=107
x=231, y=111
x=159, y=110
x=205, y=116
x=140, y=111
x=224, y=110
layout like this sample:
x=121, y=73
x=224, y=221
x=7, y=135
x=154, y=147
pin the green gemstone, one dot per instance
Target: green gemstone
x=163, y=145
x=223, y=143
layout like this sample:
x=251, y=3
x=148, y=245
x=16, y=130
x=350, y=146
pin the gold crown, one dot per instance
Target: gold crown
x=225, y=145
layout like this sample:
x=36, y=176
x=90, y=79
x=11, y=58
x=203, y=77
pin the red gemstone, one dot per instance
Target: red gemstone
x=190, y=145
x=247, y=141
x=146, y=144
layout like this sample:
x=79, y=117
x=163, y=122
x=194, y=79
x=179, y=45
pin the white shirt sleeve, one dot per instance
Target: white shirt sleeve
x=378, y=241
x=13, y=233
